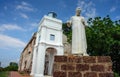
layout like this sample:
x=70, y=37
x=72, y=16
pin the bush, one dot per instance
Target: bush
x=11, y=68
x=116, y=75
x=1, y=69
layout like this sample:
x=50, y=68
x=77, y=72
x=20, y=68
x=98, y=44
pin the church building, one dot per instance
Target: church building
x=38, y=56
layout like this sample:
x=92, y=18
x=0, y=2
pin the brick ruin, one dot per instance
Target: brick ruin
x=82, y=66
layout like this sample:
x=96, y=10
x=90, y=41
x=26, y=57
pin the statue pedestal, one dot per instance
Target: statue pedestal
x=82, y=66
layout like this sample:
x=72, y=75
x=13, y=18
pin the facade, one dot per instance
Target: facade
x=25, y=61
x=48, y=44
x=43, y=46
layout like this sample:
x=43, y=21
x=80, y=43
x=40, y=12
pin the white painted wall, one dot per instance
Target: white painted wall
x=47, y=26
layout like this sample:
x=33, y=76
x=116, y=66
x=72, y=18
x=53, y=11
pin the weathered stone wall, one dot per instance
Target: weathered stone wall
x=86, y=66
x=67, y=45
x=25, y=61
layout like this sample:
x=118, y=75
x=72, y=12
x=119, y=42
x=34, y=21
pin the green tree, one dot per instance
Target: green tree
x=100, y=35
x=67, y=31
x=12, y=67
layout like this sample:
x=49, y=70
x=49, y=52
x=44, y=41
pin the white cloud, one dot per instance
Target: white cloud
x=24, y=15
x=91, y=13
x=24, y=6
x=5, y=7
x=62, y=3
x=88, y=8
x=15, y=18
x=25, y=3
x=4, y=27
x=7, y=42
x=117, y=17
x=34, y=24
x=113, y=9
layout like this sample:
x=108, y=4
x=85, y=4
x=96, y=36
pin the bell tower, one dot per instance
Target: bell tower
x=49, y=36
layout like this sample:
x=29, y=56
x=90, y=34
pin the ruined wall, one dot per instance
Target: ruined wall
x=67, y=45
x=87, y=66
x=26, y=56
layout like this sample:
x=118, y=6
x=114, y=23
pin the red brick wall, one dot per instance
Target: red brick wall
x=86, y=66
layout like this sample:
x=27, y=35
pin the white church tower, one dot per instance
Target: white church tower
x=48, y=44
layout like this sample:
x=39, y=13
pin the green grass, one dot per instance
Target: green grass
x=4, y=74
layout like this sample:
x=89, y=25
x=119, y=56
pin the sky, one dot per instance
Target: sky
x=19, y=20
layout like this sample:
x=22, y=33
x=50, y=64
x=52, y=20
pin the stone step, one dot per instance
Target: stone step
x=48, y=76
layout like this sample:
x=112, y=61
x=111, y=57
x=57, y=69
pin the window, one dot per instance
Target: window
x=52, y=37
x=29, y=52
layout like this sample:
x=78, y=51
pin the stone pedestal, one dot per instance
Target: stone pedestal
x=82, y=66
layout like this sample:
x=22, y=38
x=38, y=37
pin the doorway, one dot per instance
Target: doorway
x=49, y=60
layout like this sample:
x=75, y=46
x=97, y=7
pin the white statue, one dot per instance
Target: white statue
x=79, y=45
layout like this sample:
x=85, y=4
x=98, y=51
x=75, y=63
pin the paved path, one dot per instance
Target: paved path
x=16, y=74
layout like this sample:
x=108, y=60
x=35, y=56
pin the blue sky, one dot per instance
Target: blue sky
x=19, y=19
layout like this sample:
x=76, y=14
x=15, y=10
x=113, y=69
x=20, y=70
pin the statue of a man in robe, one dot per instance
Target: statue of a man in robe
x=79, y=45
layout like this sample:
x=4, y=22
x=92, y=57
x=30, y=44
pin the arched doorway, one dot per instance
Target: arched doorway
x=49, y=60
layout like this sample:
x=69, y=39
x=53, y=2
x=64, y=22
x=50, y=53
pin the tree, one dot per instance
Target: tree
x=101, y=33
x=12, y=67
x=103, y=39
x=67, y=31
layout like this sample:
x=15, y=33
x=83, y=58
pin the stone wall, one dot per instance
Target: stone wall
x=86, y=66
x=25, y=61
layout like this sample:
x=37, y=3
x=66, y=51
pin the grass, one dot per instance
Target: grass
x=4, y=74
